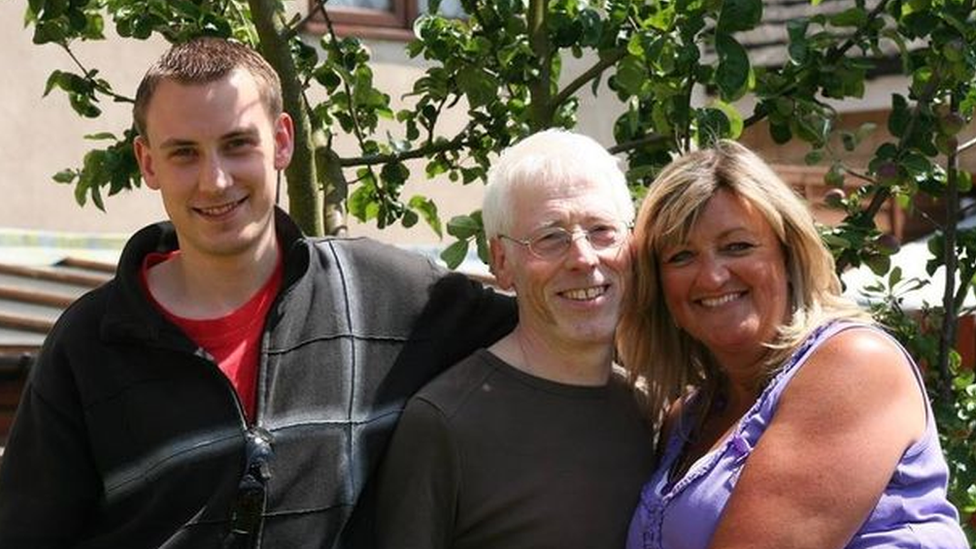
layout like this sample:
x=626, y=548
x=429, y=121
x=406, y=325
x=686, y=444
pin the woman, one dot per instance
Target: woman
x=806, y=426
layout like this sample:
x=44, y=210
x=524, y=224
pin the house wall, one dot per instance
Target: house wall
x=43, y=135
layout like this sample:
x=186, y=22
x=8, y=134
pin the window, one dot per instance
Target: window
x=376, y=18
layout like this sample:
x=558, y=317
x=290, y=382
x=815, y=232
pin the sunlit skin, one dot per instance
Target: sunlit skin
x=569, y=306
x=727, y=285
x=212, y=151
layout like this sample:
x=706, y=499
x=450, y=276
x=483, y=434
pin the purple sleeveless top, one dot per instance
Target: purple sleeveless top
x=683, y=513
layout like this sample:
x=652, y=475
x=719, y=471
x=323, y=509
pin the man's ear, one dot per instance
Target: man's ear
x=284, y=136
x=145, y=160
x=501, y=264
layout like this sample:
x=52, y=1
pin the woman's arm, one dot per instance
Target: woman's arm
x=817, y=472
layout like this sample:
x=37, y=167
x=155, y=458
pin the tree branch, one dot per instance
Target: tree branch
x=302, y=177
x=950, y=261
x=98, y=85
x=457, y=143
x=652, y=139
x=603, y=64
x=540, y=91
x=883, y=193
x=858, y=175
x=356, y=125
x=296, y=25
x=833, y=55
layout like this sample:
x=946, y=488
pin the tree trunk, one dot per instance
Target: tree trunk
x=303, y=193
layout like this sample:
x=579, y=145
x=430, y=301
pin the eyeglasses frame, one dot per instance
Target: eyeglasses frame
x=574, y=236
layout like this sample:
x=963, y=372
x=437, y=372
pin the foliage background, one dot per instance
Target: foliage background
x=679, y=71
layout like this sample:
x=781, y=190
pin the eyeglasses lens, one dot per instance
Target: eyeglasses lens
x=555, y=241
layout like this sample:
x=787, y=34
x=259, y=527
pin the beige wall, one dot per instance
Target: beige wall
x=43, y=135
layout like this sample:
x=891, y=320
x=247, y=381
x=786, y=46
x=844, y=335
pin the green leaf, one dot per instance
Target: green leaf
x=732, y=116
x=631, y=75
x=65, y=176
x=484, y=252
x=835, y=240
x=454, y=254
x=81, y=193
x=894, y=277
x=327, y=77
x=480, y=87
x=900, y=115
x=781, y=133
x=428, y=210
x=812, y=128
x=360, y=200
x=799, y=47
x=463, y=226
x=835, y=175
x=813, y=157
x=732, y=73
x=96, y=195
x=916, y=163
x=847, y=138
x=394, y=174
x=102, y=136
x=964, y=181
x=878, y=263
x=783, y=106
x=77, y=22
x=797, y=29
x=53, y=80
x=712, y=126
x=47, y=32
x=664, y=18
x=409, y=218
x=82, y=104
x=739, y=15
x=142, y=27
x=851, y=17
x=436, y=166
x=35, y=6
x=54, y=9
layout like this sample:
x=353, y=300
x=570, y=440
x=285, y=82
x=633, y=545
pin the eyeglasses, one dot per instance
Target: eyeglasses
x=553, y=242
x=251, y=498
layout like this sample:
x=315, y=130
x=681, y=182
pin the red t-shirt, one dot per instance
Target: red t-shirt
x=233, y=340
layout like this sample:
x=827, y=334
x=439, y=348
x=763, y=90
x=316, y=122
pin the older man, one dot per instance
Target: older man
x=535, y=441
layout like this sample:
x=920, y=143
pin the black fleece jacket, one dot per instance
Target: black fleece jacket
x=129, y=436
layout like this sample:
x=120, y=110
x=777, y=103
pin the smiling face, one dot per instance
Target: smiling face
x=573, y=299
x=727, y=284
x=212, y=151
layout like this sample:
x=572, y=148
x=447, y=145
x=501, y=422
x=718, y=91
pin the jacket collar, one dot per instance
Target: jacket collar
x=129, y=314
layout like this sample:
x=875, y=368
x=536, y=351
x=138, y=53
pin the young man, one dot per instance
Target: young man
x=235, y=384
x=536, y=441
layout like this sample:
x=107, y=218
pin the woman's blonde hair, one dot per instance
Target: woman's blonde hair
x=652, y=347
